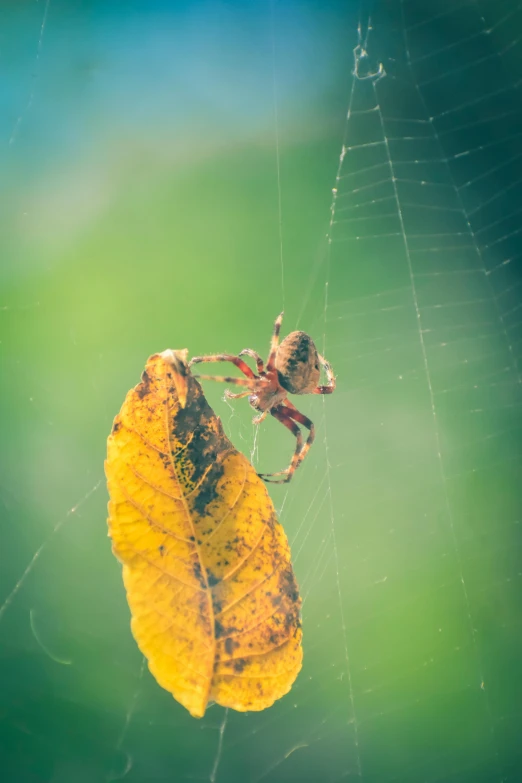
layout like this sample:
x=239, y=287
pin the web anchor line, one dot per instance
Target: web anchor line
x=219, y=749
x=277, y=152
x=42, y=547
x=359, y=53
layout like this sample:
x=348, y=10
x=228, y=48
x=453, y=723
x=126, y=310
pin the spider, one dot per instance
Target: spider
x=294, y=367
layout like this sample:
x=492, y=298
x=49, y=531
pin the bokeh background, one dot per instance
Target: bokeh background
x=173, y=174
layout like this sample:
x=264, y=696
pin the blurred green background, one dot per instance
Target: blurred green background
x=140, y=210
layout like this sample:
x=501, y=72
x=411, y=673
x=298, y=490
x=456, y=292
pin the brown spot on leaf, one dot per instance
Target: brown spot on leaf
x=211, y=579
x=196, y=568
x=144, y=387
x=208, y=491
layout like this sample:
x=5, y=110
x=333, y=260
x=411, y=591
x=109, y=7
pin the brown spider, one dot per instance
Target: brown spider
x=292, y=367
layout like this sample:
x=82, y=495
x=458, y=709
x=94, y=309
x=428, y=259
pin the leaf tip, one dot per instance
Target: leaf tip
x=178, y=362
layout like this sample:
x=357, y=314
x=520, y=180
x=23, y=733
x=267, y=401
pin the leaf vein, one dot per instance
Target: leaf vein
x=150, y=484
x=172, y=624
x=152, y=522
x=142, y=437
x=259, y=654
x=241, y=492
x=163, y=570
x=242, y=562
x=260, y=676
x=252, y=588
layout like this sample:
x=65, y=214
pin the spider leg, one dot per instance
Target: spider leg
x=283, y=414
x=226, y=357
x=230, y=396
x=259, y=362
x=225, y=379
x=260, y=418
x=329, y=387
x=270, y=364
x=308, y=423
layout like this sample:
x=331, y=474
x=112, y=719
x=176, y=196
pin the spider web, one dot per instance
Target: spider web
x=404, y=520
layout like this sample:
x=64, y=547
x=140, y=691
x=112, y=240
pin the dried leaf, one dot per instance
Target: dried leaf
x=206, y=564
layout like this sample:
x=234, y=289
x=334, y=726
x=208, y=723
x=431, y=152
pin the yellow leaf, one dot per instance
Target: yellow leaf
x=206, y=564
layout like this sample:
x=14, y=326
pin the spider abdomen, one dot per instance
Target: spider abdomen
x=297, y=363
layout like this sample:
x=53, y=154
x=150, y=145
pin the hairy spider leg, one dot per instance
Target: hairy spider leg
x=254, y=354
x=270, y=364
x=225, y=357
x=286, y=414
x=308, y=423
x=329, y=387
x=226, y=379
x=230, y=396
x=281, y=413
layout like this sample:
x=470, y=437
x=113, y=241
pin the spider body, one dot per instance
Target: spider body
x=292, y=367
x=268, y=396
x=297, y=364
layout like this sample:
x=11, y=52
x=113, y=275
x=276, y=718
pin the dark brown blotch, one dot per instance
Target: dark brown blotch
x=220, y=631
x=201, y=431
x=288, y=586
x=232, y=545
x=208, y=490
x=212, y=579
x=217, y=605
x=144, y=387
x=196, y=413
x=196, y=569
x=292, y=620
